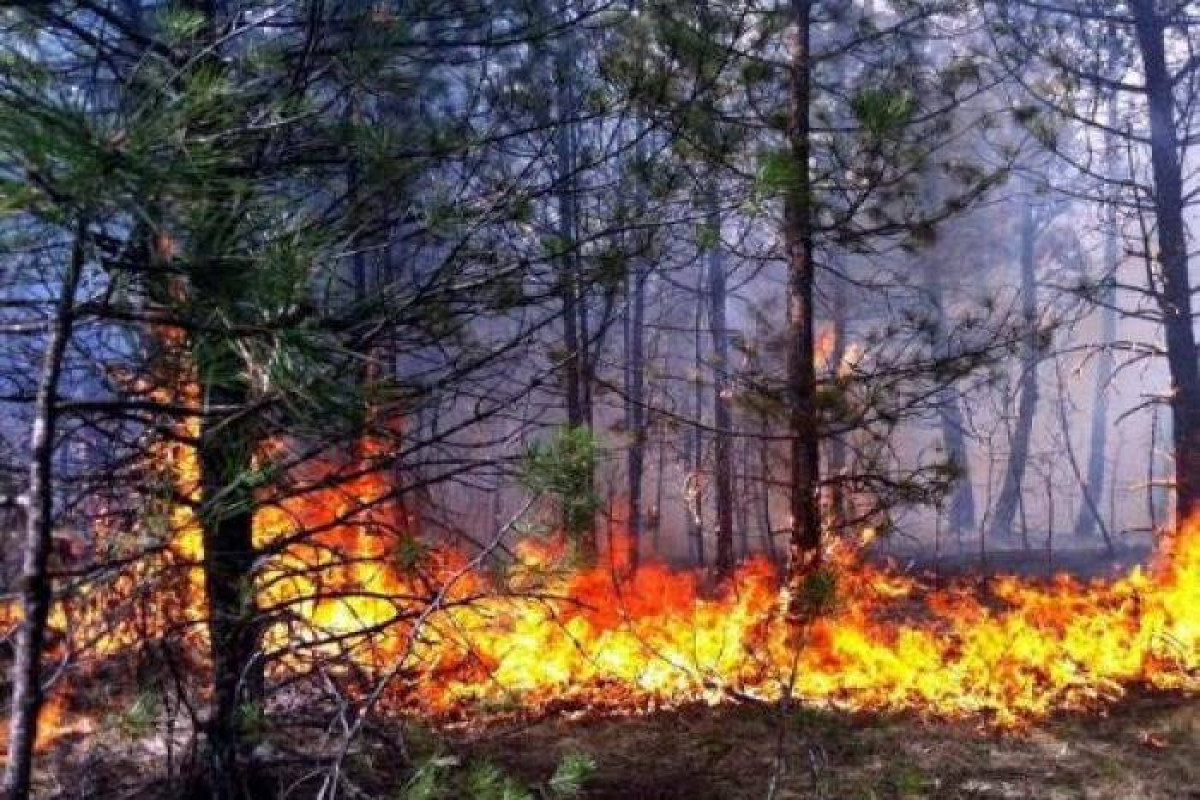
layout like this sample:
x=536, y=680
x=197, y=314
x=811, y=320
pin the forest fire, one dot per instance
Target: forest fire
x=437, y=630
x=374, y=370
x=657, y=639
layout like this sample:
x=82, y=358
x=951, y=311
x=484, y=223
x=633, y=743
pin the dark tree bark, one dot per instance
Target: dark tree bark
x=764, y=452
x=225, y=451
x=764, y=466
x=804, y=546
x=635, y=406
x=694, y=445
x=565, y=197
x=656, y=516
x=227, y=522
x=1009, y=499
x=1175, y=295
x=35, y=589
x=745, y=483
x=722, y=390
x=565, y=192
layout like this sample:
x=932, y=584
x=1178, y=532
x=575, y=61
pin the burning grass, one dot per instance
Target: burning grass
x=450, y=638
x=654, y=639
x=359, y=611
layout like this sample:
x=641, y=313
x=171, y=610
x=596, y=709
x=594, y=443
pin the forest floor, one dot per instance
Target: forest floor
x=1145, y=748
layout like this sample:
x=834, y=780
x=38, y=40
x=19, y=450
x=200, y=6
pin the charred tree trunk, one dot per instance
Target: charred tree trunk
x=722, y=414
x=804, y=546
x=1018, y=456
x=1175, y=295
x=35, y=589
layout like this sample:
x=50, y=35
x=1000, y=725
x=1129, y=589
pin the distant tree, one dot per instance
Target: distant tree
x=1133, y=55
x=809, y=134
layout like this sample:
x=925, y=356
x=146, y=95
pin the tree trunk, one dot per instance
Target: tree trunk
x=837, y=456
x=227, y=522
x=35, y=590
x=635, y=406
x=1174, y=299
x=722, y=390
x=659, y=484
x=764, y=466
x=961, y=509
x=1018, y=455
x=694, y=446
x=804, y=546
x=745, y=482
x=574, y=313
x=1087, y=518
x=564, y=194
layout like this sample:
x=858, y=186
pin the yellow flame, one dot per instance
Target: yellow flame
x=361, y=589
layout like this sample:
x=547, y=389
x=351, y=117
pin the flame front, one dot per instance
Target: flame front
x=350, y=591
x=891, y=645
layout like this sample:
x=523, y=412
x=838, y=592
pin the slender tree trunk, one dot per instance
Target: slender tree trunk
x=745, y=482
x=1009, y=500
x=804, y=546
x=1087, y=518
x=564, y=193
x=574, y=312
x=35, y=589
x=764, y=465
x=722, y=414
x=836, y=452
x=635, y=406
x=961, y=508
x=694, y=448
x=1157, y=498
x=635, y=393
x=659, y=484
x=586, y=338
x=1175, y=298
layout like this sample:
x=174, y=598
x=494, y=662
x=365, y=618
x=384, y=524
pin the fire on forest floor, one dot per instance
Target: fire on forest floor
x=954, y=661
x=1147, y=747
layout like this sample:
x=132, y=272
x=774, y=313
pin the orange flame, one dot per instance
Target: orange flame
x=657, y=639
x=353, y=586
